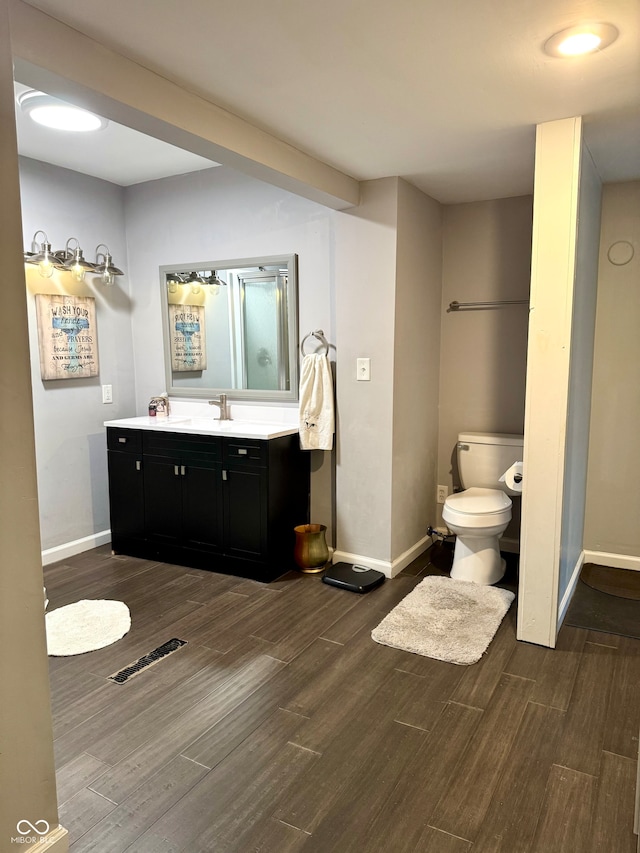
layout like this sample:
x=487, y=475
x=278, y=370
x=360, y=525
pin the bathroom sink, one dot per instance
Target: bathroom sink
x=237, y=428
x=214, y=424
x=167, y=423
x=207, y=426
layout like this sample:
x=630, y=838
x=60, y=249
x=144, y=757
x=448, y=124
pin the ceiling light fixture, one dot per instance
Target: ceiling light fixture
x=59, y=115
x=580, y=40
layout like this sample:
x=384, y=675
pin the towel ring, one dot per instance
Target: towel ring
x=319, y=335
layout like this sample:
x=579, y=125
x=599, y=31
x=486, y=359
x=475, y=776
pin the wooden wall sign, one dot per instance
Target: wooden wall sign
x=186, y=329
x=67, y=336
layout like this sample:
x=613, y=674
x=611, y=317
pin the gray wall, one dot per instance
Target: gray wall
x=381, y=263
x=370, y=277
x=221, y=214
x=613, y=494
x=580, y=372
x=486, y=256
x=416, y=366
x=69, y=414
x=365, y=279
x=388, y=285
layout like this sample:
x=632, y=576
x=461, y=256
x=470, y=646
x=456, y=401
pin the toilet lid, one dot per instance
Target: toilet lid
x=475, y=501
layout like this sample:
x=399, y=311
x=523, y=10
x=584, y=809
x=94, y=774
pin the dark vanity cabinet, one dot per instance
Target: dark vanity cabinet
x=210, y=502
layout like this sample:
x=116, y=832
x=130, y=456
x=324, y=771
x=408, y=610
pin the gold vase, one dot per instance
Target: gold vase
x=311, y=551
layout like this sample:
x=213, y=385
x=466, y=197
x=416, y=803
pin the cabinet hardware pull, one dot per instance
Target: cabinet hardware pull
x=242, y=451
x=138, y=465
x=176, y=470
x=183, y=470
x=122, y=440
x=224, y=474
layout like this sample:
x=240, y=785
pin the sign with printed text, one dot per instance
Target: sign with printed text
x=186, y=328
x=67, y=337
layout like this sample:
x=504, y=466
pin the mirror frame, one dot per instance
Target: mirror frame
x=291, y=326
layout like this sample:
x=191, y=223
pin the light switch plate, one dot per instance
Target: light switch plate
x=107, y=393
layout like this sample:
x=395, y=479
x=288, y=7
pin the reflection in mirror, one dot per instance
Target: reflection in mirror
x=232, y=327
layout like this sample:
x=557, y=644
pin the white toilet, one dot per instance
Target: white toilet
x=480, y=514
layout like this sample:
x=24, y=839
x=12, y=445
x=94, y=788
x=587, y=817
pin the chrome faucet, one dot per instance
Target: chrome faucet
x=221, y=402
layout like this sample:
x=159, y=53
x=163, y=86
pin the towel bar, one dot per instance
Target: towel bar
x=319, y=335
x=456, y=306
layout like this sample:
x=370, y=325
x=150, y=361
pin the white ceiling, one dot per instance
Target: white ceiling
x=117, y=154
x=445, y=94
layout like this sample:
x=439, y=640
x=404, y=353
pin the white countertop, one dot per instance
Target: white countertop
x=207, y=426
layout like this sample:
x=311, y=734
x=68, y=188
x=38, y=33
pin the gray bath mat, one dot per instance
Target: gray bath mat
x=446, y=619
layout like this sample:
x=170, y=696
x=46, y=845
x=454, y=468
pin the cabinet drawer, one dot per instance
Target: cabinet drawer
x=128, y=440
x=245, y=450
x=188, y=448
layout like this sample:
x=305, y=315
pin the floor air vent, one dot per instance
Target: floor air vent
x=147, y=660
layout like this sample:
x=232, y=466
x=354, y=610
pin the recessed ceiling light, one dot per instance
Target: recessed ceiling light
x=56, y=114
x=581, y=39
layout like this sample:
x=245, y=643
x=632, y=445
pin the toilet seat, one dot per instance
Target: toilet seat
x=479, y=500
x=477, y=507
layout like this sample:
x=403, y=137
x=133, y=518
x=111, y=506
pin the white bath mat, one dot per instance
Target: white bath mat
x=86, y=626
x=446, y=619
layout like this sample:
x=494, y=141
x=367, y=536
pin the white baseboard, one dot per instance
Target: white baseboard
x=566, y=598
x=614, y=561
x=388, y=568
x=70, y=549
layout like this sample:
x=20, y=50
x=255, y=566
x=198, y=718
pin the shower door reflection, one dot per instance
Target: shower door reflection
x=263, y=334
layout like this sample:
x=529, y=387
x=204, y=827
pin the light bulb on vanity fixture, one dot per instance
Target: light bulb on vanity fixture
x=215, y=279
x=75, y=261
x=106, y=269
x=44, y=257
x=195, y=280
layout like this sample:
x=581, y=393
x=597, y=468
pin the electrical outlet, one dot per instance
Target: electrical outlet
x=441, y=494
x=363, y=369
x=107, y=393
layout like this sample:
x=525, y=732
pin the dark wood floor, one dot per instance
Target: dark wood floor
x=283, y=727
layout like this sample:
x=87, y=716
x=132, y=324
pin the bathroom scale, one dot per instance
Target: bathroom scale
x=353, y=577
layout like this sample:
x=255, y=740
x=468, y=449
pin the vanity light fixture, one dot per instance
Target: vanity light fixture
x=75, y=261
x=106, y=270
x=58, y=115
x=580, y=40
x=44, y=257
x=214, y=279
x=195, y=280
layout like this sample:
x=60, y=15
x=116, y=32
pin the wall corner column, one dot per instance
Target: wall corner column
x=27, y=770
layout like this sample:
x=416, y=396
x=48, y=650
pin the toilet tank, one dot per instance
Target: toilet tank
x=484, y=457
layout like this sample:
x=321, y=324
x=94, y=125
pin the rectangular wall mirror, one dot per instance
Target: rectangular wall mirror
x=232, y=327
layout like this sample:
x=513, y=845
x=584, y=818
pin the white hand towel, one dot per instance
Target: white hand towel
x=317, y=422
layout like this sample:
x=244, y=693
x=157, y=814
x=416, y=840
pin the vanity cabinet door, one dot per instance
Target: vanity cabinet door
x=126, y=498
x=162, y=499
x=202, y=505
x=245, y=491
x=183, y=502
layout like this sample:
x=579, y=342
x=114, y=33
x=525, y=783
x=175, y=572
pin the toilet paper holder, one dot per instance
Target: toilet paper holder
x=513, y=477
